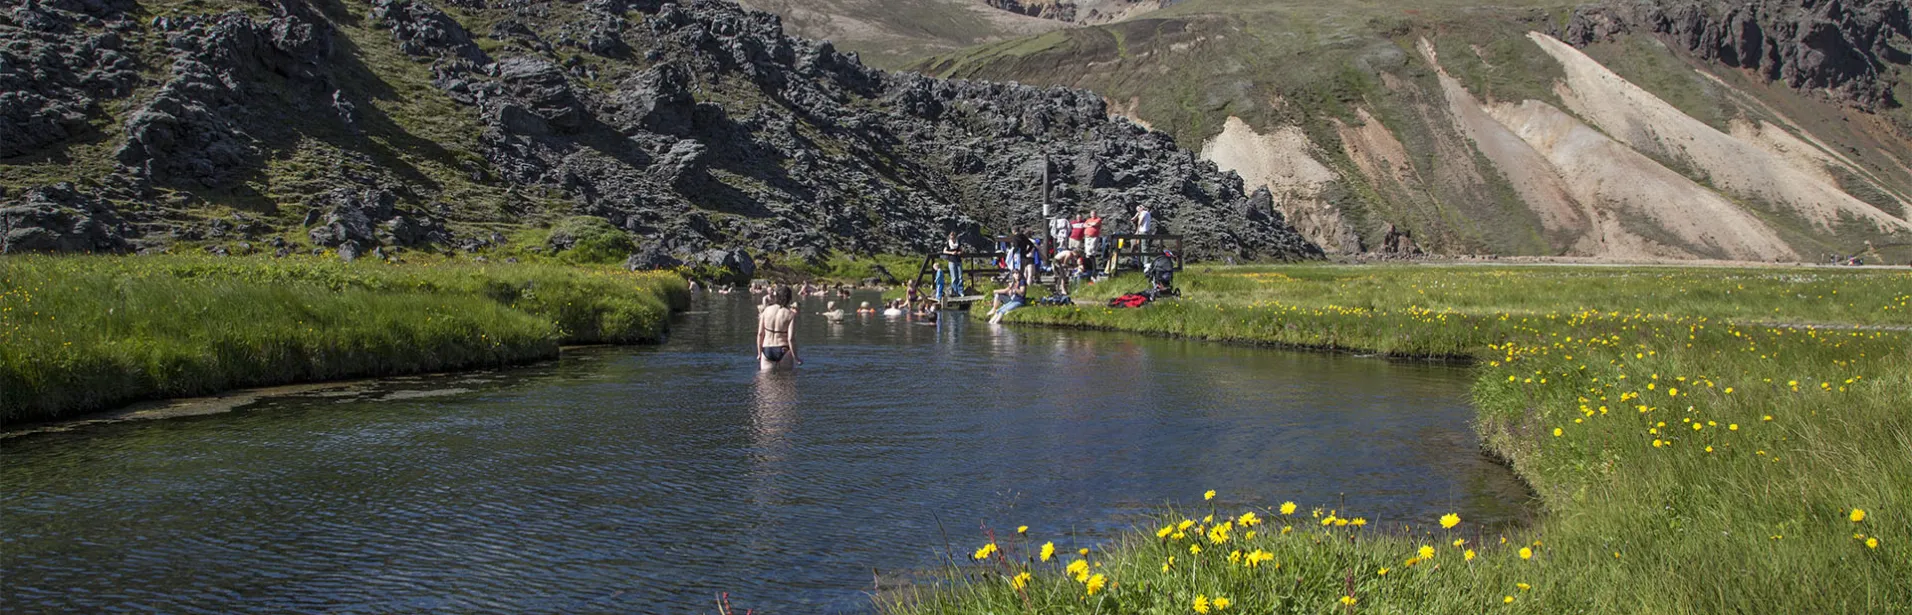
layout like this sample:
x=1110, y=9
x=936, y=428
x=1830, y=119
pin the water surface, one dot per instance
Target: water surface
x=650, y=480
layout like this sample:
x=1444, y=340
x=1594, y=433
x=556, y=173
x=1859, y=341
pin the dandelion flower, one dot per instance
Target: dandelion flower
x=1523, y=586
x=1048, y=550
x=1078, y=567
x=1095, y=584
x=1022, y=529
x=1526, y=553
x=1348, y=600
x=1019, y=580
x=1469, y=555
x=1165, y=531
x=1460, y=541
x=1195, y=549
x=1557, y=432
x=985, y=551
x=1201, y=603
x=1858, y=514
x=1872, y=543
x=1450, y=520
x=1287, y=508
x=1210, y=495
x=1427, y=552
x=1358, y=522
x=1381, y=572
x=1221, y=603
x=1507, y=600
x=1768, y=418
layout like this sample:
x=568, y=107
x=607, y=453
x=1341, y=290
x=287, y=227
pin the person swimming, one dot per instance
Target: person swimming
x=865, y=309
x=776, y=331
x=832, y=313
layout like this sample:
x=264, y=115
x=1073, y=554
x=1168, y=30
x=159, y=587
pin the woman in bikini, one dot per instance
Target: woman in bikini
x=775, y=326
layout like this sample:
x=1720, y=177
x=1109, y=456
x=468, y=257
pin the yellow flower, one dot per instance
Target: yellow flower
x=1022, y=529
x=1460, y=541
x=1048, y=550
x=1019, y=581
x=1427, y=552
x=1523, y=586
x=1348, y=600
x=1767, y=418
x=1872, y=543
x=1507, y=600
x=1083, y=551
x=1469, y=555
x=1248, y=535
x=1210, y=495
x=1095, y=584
x=1732, y=426
x=1201, y=603
x=1287, y=528
x=1248, y=519
x=1165, y=531
x=1858, y=514
x=1195, y=549
x=1329, y=520
x=1358, y=522
x=1450, y=520
x=1222, y=603
x=985, y=551
x=1556, y=432
x=1287, y=508
x=1526, y=553
x=1184, y=525
x=1078, y=567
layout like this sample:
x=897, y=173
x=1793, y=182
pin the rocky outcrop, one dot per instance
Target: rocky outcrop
x=820, y=152
x=60, y=218
x=1845, y=48
x=54, y=70
x=700, y=128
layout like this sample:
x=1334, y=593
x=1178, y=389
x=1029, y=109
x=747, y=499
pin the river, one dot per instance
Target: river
x=653, y=479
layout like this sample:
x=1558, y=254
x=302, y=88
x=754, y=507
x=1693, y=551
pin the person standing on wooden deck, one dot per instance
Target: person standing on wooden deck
x=953, y=264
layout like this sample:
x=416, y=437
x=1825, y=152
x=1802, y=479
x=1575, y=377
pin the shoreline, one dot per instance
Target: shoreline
x=1678, y=402
x=88, y=334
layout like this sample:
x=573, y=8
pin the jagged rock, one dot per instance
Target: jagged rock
x=1843, y=48
x=53, y=75
x=371, y=218
x=739, y=268
x=422, y=30
x=60, y=218
x=650, y=259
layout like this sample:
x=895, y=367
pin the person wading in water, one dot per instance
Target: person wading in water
x=776, y=324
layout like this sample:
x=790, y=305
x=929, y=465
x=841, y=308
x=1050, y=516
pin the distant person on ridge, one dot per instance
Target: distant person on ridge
x=776, y=326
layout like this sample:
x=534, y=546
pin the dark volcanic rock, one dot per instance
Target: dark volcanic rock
x=1844, y=48
x=699, y=127
x=60, y=218
x=54, y=74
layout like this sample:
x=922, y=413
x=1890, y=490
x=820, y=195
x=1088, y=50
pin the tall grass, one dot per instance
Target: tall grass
x=79, y=334
x=1591, y=382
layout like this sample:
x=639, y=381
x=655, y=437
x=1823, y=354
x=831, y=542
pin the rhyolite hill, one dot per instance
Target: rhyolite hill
x=1773, y=130
x=697, y=128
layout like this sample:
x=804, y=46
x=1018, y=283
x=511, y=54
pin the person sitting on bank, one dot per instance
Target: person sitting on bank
x=776, y=327
x=1007, y=299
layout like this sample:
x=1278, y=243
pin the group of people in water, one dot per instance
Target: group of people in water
x=1077, y=248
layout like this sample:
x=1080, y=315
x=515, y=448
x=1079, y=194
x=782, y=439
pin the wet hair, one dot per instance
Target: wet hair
x=781, y=295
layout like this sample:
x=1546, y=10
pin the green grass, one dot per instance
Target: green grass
x=1590, y=383
x=79, y=334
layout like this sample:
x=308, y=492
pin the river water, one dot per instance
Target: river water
x=651, y=480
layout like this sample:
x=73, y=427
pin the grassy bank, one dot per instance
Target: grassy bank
x=79, y=334
x=1691, y=456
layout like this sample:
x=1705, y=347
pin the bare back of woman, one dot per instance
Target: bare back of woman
x=776, y=326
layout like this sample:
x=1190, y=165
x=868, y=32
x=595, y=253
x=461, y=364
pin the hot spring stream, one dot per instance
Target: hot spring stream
x=650, y=480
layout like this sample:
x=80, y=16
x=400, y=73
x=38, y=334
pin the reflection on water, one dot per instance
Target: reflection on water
x=653, y=479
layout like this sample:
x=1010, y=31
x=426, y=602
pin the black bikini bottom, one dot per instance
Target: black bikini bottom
x=775, y=353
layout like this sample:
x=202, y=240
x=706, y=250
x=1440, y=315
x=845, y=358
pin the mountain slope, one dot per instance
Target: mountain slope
x=1757, y=130
x=405, y=123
